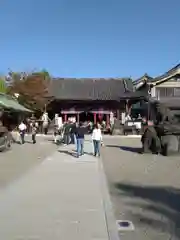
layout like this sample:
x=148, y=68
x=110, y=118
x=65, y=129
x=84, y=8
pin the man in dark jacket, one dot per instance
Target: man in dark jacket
x=73, y=133
x=67, y=129
x=150, y=140
x=80, y=132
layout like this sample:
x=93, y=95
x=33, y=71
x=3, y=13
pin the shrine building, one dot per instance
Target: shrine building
x=88, y=99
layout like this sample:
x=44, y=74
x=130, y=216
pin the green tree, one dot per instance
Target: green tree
x=43, y=74
x=3, y=86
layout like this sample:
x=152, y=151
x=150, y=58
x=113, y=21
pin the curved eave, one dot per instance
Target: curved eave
x=165, y=77
x=9, y=103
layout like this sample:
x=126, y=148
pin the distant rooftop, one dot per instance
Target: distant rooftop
x=89, y=88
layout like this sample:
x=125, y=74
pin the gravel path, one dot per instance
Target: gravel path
x=144, y=189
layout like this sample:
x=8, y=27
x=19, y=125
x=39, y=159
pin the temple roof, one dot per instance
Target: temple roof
x=145, y=78
x=166, y=76
x=9, y=102
x=90, y=88
x=159, y=79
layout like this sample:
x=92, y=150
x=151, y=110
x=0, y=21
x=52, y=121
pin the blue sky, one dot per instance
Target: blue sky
x=90, y=38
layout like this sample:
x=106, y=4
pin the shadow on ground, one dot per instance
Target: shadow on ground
x=70, y=153
x=163, y=202
x=126, y=148
x=73, y=153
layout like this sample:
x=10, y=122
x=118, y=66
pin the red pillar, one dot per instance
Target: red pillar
x=94, y=118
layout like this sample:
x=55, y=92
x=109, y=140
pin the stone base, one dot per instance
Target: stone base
x=170, y=145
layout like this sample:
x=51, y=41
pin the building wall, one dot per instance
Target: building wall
x=153, y=92
x=167, y=89
x=168, y=92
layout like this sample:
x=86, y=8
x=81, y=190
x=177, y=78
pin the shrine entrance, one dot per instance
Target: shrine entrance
x=86, y=117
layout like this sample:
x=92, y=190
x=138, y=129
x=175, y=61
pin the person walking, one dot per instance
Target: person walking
x=80, y=132
x=22, y=130
x=45, y=120
x=73, y=133
x=34, y=132
x=97, y=140
x=67, y=130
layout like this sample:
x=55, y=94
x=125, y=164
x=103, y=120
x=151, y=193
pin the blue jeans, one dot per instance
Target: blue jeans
x=75, y=141
x=96, y=147
x=80, y=146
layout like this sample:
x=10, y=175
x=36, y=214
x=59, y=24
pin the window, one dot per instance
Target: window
x=157, y=94
x=176, y=92
x=169, y=92
x=161, y=92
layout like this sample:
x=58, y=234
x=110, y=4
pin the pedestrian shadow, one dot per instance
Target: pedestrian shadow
x=89, y=153
x=126, y=148
x=70, y=153
x=28, y=141
x=73, y=153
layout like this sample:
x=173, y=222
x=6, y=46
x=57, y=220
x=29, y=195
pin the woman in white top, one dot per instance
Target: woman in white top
x=22, y=129
x=97, y=139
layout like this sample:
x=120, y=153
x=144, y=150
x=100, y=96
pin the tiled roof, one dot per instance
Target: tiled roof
x=145, y=77
x=8, y=102
x=89, y=89
x=157, y=80
x=172, y=72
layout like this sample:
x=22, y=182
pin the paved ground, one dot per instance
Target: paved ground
x=55, y=197
x=145, y=189
x=22, y=158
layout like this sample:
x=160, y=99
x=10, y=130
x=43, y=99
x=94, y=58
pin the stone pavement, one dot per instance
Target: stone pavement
x=62, y=198
x=144, y=188
x=21, y=159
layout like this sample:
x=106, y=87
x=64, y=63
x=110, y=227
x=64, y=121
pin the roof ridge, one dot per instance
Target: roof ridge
x=100, y=78
x=92, y=89
x=167, y=74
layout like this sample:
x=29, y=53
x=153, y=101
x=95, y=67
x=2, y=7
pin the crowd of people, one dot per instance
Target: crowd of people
x=74, y=133
x=71, y=132
x=66, y=133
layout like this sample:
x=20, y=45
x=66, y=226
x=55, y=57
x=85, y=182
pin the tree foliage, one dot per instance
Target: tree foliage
x=3, y=86
x=32, y=89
